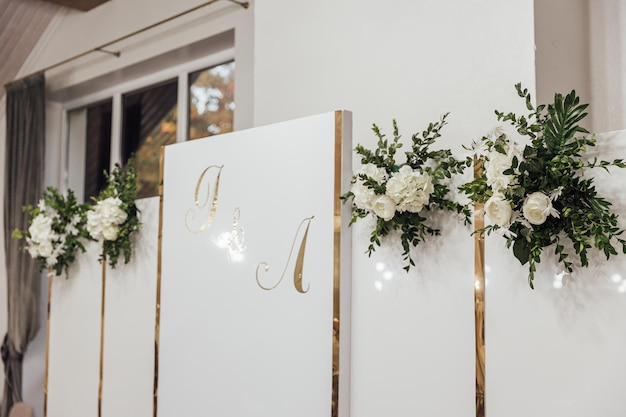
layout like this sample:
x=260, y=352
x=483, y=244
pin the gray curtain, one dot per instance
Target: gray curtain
x=25, y=145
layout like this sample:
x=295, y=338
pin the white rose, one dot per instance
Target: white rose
x=374, y=172
x=499, y=210
x=40, y=228
x=363, y=195
x=410, y=189
x=51, y=261
x=45, y=249
x=496, y=132
x=71, y=229
x=94, y=225
x=110, y=211
x=537, y=207
x=110, y=232
x=494, y=170
x=384, y=207
x=33, y=249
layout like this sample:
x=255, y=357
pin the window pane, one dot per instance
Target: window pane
x=148, y=122
x=98, y=148
x=89, y=149
x=211, y=101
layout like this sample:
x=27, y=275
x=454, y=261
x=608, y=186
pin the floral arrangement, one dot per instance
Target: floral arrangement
x=115, y=218
x=56, y=230
x=399, y=195
x=536, y=195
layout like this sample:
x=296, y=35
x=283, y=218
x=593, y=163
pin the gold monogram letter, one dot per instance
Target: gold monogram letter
x=191, y=213
x=299, y=265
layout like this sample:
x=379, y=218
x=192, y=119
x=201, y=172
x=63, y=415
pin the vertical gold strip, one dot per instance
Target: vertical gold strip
x=479, y=298
x=104, y=279
x=45, y=383
x=157, y=317
x=337, y=260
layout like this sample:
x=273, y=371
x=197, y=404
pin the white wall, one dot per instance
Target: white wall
x=408, y=60
x=608, y=64
x=580, y=45
x=413, y=340
x=562, y=57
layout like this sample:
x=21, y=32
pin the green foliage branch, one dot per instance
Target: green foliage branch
x=122, y=187
x=56, y=230
x=437, y=166
x=553, y=164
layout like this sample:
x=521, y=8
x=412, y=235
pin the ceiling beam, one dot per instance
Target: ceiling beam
x=83, y=5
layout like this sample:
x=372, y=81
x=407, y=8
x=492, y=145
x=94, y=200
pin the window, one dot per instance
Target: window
x=89, y=138
x=211, y=100
x=148, y=122
x=149, y=116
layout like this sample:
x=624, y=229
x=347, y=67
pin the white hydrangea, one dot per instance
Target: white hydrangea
x=410, y=190
x=104, y=220
x=364, y=196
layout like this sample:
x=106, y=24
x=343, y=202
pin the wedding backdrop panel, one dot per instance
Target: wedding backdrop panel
x=128, y=350
x=418, y=325
x=255, y=267
x=79, y=345
x=558, y=350
x=74, y=338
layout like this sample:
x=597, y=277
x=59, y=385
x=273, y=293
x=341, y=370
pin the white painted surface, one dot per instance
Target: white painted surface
x=562, y=55
x=74, y=352
x=413, y=340
x=226, y=344
x=558, y=351
x=587, y=58
x=130, y=306
x=608, y=64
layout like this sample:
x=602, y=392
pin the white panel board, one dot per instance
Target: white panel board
x=558, y=350
x=414, y=332
x=130, y=306
x=74, y=338
x=227, y=346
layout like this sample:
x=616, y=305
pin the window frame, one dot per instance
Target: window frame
x=115, y=93
x=204, y=33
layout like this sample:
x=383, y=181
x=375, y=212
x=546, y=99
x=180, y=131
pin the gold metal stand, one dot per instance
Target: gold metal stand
x=479, y=299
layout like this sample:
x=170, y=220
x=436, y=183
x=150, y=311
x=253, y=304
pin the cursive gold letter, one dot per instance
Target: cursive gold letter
x=191, y=213
x=299, y=265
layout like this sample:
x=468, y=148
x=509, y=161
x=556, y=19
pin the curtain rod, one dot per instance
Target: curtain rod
x=102, y=47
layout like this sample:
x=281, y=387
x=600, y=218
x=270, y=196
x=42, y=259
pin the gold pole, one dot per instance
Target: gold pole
x=157, y=319
x=45, y=384
x=104, y=269
x=479, y=298
x=337, y=263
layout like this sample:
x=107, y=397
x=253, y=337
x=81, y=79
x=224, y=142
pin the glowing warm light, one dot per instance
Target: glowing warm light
x=380, y=267
x=387, y=275
x=236, y=256
x=378, y=285
x=477, y=284
x=616, y=278
x=223, y=240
